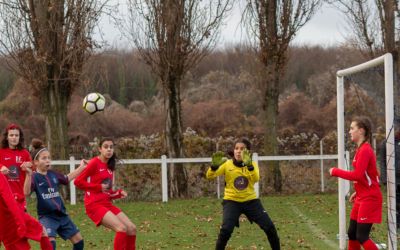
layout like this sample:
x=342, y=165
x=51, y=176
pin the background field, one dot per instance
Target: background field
x=303, y=222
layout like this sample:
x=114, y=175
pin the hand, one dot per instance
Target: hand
x=4, y=170
x=124, y=194
x=352, y=197
x=330, y=171
x=246, y=158
x=83, y=163
x=217, y=159
x=25, y=165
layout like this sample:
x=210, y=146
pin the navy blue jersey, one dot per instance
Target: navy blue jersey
x=49, y=201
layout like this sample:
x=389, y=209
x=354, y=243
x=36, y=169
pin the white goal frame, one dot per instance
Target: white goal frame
x=387, y=61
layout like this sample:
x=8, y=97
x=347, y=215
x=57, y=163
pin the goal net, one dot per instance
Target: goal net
x=381, y=67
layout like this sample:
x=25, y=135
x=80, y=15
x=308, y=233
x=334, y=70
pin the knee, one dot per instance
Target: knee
x=121, y=228
x=131, y=229
x=226, y=231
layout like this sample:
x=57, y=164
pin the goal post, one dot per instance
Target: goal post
x=387, y=61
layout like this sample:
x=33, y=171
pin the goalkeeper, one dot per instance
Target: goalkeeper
x=241, y=173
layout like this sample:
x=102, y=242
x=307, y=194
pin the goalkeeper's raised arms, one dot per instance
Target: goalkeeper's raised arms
x=246, y=159
x=217, y=159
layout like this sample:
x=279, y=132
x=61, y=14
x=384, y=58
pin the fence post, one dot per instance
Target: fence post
x=321, y=152
x=256, y=185
x=218, y=188
x=164, y=179
x=71, y=183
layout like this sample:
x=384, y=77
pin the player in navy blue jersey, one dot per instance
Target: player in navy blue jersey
x=50, y=206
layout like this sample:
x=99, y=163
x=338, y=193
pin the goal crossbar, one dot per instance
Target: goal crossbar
x=387, y=61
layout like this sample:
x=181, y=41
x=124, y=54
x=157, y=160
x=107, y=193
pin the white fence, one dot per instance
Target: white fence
x=163, y=161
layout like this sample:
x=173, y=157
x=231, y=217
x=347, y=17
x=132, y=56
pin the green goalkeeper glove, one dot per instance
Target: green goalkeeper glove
x=246, y=159
x=217, y=159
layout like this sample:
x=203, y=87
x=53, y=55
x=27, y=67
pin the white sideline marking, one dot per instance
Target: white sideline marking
x=314, y=229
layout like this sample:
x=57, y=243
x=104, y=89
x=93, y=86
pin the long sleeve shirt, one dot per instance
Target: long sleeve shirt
x=239, y=181
x=365, y=174
x=12, y=159
x=90, y=180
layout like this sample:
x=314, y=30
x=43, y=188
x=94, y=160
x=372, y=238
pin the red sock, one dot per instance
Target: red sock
x=45, y=243
x=120, y=241
x=354, y=245
x=369, y=245
x=131, y=242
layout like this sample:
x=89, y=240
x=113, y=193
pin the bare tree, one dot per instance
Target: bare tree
x=48, y=42
x=273, y=24
x=172, y=36
x=371, y=24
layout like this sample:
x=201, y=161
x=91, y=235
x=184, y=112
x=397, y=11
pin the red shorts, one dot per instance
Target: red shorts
x=34, y=229
x=367, y=212
x=96, y=211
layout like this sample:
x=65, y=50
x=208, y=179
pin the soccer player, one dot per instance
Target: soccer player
x=50, y=206
x=14, y=161
x=97, y=182
x=12, y=229
x=241, y=173
x=367, y=199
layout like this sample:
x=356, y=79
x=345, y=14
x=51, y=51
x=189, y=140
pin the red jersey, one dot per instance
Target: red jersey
x=12, y=159
x=90, y=180
x=12, y=222
x=365, y=174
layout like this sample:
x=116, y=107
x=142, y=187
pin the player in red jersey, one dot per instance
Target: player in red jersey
x=367, y=199
x=14, y=160
x=97, y=182
x=10, y=215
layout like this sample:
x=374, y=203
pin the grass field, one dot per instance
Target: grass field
x=303, y=222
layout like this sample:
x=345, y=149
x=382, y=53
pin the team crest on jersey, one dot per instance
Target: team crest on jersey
x=14, y=172
x=241, y=183
x=108, y=182
x=18, y=159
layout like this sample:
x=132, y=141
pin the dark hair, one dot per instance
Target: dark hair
x=364, y=123
x=4, y=141
x=245, y=141
x=112, y=162
x=37, y=146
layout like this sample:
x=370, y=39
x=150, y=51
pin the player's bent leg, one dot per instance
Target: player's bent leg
x=111, y=221
x=256, y=212
x=77, y=241
x=53, y=242
x=353, y=243
x=130, y=227
x=363, y=231
x=130, y=231
x=45, y=243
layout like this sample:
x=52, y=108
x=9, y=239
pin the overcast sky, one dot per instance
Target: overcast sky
x=325, y=28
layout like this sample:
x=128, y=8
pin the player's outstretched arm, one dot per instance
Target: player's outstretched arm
x=28, y=182
x=71, y=176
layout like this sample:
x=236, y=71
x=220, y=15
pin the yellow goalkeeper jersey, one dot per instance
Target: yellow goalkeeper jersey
x=239, y=181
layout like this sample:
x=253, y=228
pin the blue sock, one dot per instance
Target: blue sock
x=78, y=245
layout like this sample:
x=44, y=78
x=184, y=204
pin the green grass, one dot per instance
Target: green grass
x=303, y=222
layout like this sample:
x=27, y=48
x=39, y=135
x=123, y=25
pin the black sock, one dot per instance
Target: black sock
x=78, y=245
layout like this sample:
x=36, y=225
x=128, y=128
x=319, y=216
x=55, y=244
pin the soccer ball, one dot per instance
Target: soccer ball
x=93, y=103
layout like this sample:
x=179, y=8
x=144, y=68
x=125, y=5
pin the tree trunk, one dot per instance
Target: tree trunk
x=174, y=139
x=55, y=103
x=271, y=98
